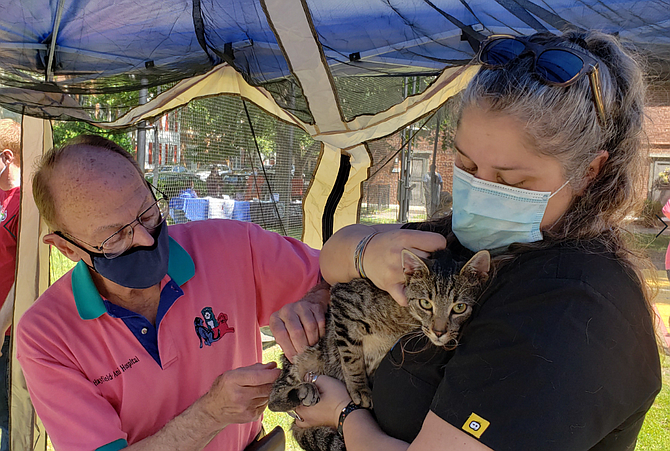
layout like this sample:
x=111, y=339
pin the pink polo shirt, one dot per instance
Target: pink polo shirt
x=93, y=368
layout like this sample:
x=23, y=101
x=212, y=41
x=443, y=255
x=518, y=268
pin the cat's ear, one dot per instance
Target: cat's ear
x=412, y=263
x=479, y=264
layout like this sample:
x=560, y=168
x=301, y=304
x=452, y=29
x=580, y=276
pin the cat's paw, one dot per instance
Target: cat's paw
x=362, y=397
x=308, y=394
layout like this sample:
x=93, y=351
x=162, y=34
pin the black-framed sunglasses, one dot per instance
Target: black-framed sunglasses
x=121, y=240
x=553, y=64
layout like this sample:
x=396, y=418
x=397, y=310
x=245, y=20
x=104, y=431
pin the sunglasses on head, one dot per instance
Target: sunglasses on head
x=553, y=64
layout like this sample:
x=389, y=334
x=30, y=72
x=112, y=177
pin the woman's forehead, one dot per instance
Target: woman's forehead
x=499, y=141
x=493, y=134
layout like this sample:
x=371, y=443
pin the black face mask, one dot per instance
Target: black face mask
x=138, y=267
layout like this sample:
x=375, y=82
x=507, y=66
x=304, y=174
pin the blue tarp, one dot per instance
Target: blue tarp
x=111, y=45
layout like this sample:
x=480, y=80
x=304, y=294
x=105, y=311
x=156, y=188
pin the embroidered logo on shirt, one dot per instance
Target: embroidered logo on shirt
x=116, y=372
x=209, y=328
x=3, y=214
x=475, y=425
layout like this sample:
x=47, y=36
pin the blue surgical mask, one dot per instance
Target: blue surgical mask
x=138, y=267
x=489, y=215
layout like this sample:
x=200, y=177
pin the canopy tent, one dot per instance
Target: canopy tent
x=91, y=46
x=294, y=59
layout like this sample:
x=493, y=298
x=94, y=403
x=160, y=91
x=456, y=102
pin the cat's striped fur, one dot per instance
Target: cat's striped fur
x=364, y=322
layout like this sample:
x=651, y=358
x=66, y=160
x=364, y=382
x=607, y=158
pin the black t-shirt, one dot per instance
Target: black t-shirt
x=560, y=354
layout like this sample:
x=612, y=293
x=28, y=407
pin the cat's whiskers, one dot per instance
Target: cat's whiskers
x=416, y=335
x=452, y=347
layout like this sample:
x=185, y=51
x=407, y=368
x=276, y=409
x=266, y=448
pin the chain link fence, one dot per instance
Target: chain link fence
x=221, y=157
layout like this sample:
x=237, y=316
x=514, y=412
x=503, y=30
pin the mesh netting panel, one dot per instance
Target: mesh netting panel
x=6, y=114
x=371, y=95
x=94, y=108
x=204, y=158
x=288, y=95
x=400, y=188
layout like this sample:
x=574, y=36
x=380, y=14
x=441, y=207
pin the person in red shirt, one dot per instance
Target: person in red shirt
x=10, y=184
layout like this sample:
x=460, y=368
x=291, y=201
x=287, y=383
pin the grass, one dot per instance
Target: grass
x=651, y=242
x=389, y=215
x=655, y=433
x=60, y=264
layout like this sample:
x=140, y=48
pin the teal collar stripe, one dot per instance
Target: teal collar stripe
x=89, y=302
x=116, y=445
x=180, y=265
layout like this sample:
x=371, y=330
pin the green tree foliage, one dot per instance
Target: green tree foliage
x=64, y=131
x=103, y=108
x=212, y=130
x=216, y=128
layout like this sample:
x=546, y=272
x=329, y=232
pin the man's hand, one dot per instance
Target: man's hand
x=300, y=324
x=240, y=395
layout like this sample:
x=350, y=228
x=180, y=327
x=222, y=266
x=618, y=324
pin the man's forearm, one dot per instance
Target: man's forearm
x=192, y=430
x=237, y=396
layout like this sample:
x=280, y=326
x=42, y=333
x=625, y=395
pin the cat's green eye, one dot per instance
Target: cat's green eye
x=459, y=308
x=426, y=304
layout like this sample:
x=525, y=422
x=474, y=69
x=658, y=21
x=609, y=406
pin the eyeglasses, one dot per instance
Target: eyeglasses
x=121, y=240
x=553, y=64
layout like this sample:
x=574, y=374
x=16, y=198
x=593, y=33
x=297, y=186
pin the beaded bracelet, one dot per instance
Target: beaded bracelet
x=343, y=415
x=358, y=255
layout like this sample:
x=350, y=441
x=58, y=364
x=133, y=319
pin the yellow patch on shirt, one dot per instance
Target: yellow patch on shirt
x=475, y=425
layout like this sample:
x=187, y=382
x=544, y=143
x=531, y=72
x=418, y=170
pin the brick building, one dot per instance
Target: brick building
x=382, y=187
x=657, y=128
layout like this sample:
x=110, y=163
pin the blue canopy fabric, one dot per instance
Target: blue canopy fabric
x=121, y=45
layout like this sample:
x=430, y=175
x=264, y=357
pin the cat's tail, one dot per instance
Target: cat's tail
x=320, y=438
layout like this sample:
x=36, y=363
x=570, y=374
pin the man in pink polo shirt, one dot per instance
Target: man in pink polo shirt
x=152, y=340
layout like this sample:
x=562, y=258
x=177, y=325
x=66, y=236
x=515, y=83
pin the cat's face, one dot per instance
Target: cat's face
x=440, y=296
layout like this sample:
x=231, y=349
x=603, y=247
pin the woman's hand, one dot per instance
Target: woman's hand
x=334, y=398
x=382, y=260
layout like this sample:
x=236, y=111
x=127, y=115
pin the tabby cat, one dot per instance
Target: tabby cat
x=364, y=322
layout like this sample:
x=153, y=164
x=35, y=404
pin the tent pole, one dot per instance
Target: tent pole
x=142, y=130
x=405, y=189
x=54, y=36
x=32, y=278
x=402, y=192
x=434, y=194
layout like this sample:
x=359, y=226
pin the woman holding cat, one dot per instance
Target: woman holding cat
x=560, y=352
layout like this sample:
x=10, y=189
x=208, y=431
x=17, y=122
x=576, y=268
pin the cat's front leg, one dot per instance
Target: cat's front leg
x=355, y=376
